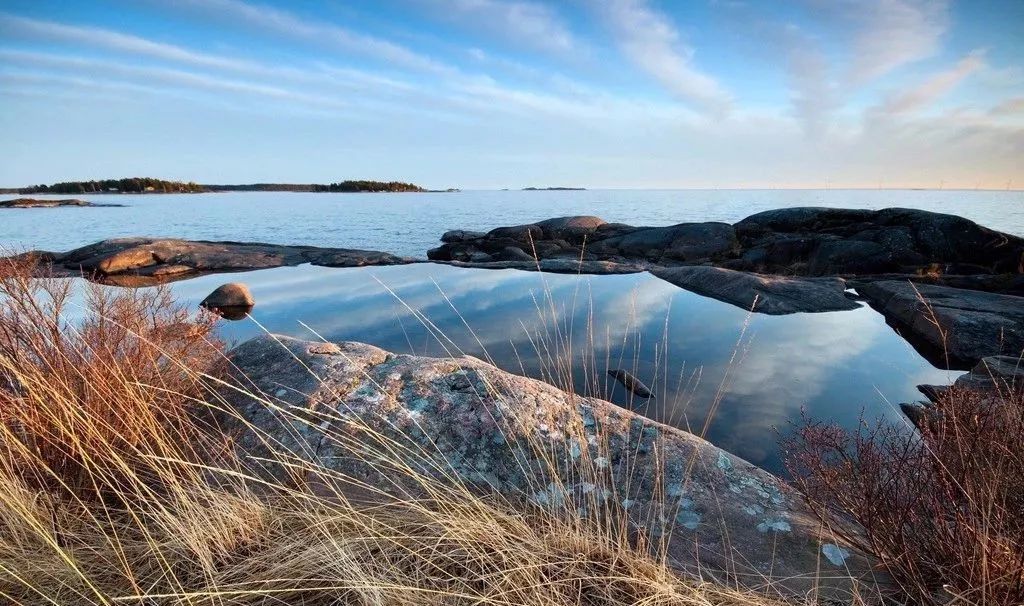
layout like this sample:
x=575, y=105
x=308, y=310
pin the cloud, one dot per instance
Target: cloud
x=528, y=24
x=894, y=33
x=651, y=42
x=933, y=88
x=286, y=24
x=12, y=26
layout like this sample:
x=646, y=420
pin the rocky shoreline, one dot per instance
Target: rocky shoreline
x=968, y=277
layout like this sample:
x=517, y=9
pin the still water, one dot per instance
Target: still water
x=837, y=365
x=410, y=224
x=693, y=351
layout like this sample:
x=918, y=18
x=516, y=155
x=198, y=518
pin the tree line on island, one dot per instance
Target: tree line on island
x=149, y=185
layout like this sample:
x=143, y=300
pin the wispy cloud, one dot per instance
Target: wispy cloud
x=933, y=88
x=649, y=39
x=527, y=24
x=14, y=27
x=894, y=33
x=287, y=24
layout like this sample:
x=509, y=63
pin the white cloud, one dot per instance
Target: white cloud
x=895, y=33
x=289, y=25
x=12, y=26
x=651, y=42
x=935, y=87
x=528, y=24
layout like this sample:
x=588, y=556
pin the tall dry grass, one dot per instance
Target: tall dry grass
x=113, y=490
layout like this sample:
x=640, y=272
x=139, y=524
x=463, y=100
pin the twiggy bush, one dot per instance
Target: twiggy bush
x=942, y=508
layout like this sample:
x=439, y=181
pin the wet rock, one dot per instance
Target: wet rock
x=631, y=383
x=463, y=419
x=774, y=295
x=149, y=261
x=952, y=327
x=233, y=301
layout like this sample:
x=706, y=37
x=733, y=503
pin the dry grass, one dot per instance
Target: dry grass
x=942, y=509
x=112, y=493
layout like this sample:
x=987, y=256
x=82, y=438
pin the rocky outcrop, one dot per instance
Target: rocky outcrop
x=836, y=241
x=354, y=409
x=36, y=203
x=148, y=260
x=591, y=238
x=950, y=326
x=773, y=295
x=793, y=241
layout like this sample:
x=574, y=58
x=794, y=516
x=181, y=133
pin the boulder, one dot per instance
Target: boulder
x=231, y=294
x=345, y=407
x=775, y=295
x=952, y=327
x=233, y=301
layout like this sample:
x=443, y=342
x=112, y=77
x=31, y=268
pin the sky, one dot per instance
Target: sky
x=514, y=93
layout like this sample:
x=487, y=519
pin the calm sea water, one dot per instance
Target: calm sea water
x=409, y=224
x=838, y=366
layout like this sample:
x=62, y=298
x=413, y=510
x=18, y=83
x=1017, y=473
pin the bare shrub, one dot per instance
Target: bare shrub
x=110, y=373
x=942, y=509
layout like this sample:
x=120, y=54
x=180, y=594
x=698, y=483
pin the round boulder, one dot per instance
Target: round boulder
x=233, y=301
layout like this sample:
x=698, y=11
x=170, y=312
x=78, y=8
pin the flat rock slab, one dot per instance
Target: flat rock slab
x=37, y=203
x=461, y=418
x=148, y=260
x=951, y=326
x=775, y=295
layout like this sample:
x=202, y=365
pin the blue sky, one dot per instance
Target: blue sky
x=509, y=93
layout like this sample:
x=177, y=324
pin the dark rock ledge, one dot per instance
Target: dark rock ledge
x=531, y=442
x=145, y=261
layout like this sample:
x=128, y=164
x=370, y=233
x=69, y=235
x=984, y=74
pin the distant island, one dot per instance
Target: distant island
x=554, y=188
x=149, y=185
x=34, y=203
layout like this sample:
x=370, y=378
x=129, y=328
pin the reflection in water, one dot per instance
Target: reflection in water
x=696, y=354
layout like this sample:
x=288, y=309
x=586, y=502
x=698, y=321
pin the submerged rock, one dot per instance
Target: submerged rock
x=952, y=327
x=631, y=383
x=354, y=408
x=759, y=293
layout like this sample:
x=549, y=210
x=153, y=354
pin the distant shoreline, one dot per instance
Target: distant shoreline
x=150, y=185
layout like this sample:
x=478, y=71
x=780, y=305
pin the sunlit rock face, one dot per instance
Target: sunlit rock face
x=362, y=412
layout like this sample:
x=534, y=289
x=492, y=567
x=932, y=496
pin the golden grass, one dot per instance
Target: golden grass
x=112, y=491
